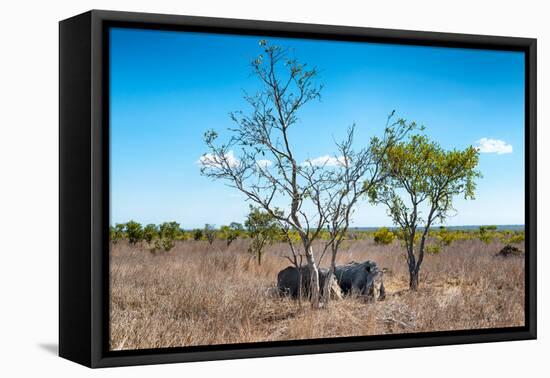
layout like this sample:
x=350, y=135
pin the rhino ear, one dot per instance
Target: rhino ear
x=367, y=268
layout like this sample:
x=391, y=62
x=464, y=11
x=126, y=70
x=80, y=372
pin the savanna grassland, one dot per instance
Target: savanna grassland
x=201, y=294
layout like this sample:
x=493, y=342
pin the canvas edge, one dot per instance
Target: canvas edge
x=99, y=202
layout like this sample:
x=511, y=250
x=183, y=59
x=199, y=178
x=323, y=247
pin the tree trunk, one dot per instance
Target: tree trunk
x=259, y=258
x=330, y=275
x=314, y=273
x=413, y=280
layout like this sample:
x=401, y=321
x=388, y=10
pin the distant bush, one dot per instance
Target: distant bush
x=383, y=236
x=514, y=238
x=116, y=233
x=150, y=232
x=433, y=249
x=197, y=234
x=446, y=237
x=134, y=232
x=162, y=237
x=263, y=230
x=231, y=233
x=487, y=233
x=168, y=232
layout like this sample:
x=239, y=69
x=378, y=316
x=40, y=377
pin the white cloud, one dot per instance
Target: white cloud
x=264, y=163
x=327, y=161
x=209, y=160
x=493, y=146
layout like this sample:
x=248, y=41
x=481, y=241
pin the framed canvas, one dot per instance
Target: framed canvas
x=235, y=188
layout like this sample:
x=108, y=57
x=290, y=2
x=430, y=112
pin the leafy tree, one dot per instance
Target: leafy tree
x=134, y=232
x=168, y=233
x=262, y=228
x=116, y=233
x=383, y=236
x=487, y=233
x=209, y=232
x=232, y=232
x=422, y=180
x=198, y=234
x=150, y=232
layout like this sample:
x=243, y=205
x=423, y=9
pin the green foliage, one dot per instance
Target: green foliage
x=134, y=232
x=168, y=233
x=433, y=249
x=487, y=233
x=150, y=232
x=185, y=235
x=116, y=233
x=513, y=238
x=421, y=181
x=162, y=237
x=383, y=236
x=445, y=237
x=263, y=229
x=197, y=234
x=232, y=232
x=487, y=228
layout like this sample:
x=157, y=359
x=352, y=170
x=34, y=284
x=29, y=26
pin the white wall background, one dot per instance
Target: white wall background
x=29, y=185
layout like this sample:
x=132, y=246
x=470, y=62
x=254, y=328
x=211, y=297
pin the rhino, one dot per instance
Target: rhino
x=288, y=282
x=363, y=279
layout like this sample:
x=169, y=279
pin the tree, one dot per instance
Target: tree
x=420, y=182
x=267, y=166
x=168, y=233
x=486, y=233
x=116, y=233
x=267, y=169
x=134, y=232
x=262, y=228
x=232, y=232
x=209, y=232
x=150, y=232
x=358, y=173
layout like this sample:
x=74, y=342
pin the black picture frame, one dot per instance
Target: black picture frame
x=84, y=188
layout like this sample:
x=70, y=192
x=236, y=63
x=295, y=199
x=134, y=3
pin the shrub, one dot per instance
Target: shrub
x=150, y=232
x=513, y=239
x=232, y=232
x=446, y=237
x=383, y=236
x=197, y=234
x=263, y=229
x=116, y=233
x=134, y=232
x=168, y=232
x=487, y=233
x=434, y=249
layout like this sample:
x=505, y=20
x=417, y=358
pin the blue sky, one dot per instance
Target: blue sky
x=167, y=88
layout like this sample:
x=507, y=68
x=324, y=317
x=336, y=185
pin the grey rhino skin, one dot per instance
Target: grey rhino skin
x=288, y=282
x=363, y=279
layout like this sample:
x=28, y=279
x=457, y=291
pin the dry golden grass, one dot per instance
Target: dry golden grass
x=200, y=294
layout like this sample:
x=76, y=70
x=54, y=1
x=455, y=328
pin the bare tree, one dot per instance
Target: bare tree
x=359, y=173
x=267, y=168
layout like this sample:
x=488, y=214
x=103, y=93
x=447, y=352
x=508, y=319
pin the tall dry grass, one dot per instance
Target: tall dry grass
x=201, y=294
